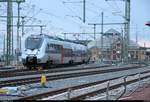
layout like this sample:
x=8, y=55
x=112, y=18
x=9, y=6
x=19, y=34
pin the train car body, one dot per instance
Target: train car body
x=46, y=50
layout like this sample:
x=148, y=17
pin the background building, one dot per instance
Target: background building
x=112, y=49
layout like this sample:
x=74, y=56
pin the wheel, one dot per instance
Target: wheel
x=29, y=67
x=49, y=64
x=83, y=61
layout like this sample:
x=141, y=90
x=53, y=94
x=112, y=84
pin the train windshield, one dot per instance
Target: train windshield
x=33, y=43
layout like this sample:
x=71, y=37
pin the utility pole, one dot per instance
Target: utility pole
x=84, y=13
x=12, y=38
x=22, y=31
x=18, y=26
x=41, y=29
x=144, y=44
x=122, y=45
x=23, y=21
x=64, y=35
x=20, y=44
x=4, y=54
x=102, y=30
x=9, y=31
x=9, y=43
x=136, y=35
x=126, y=29
x=94, y=30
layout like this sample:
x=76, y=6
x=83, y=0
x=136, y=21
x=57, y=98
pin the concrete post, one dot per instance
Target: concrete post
x=107, y=90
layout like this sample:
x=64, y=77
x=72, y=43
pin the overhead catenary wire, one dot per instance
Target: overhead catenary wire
x=100, y=8
x=33, y=19
x=111, y=6
x=3, y=8
x=117, y=7
x=55, y=16
x=72, y=11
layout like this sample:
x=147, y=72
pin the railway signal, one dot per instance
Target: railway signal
x=148, y=23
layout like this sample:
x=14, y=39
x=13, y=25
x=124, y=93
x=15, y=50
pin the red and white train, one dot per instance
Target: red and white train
x=47, y=50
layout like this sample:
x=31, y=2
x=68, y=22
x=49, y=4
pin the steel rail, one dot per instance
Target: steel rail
x=28, y=72
x=82, y=97
x=57, y=76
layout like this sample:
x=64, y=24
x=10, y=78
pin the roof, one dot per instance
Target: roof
x=109, y=40
x=107, y=44
x=60, y=39
x=112, y=32
x=133, y=44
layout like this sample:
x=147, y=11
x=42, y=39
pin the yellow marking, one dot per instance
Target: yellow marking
x=43, y=80
x=3, y=91
x=40, y=68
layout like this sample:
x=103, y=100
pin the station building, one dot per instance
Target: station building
x=112, y=48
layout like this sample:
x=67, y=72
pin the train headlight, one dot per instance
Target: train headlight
x=38, y=51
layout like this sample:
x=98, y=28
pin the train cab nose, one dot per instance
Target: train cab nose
x=31, y=60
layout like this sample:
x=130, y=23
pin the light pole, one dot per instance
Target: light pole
x=18, y=26
x=123, y=36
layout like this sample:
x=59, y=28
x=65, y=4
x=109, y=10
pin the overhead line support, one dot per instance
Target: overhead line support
x=9, y=38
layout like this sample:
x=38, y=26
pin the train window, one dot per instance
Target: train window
x=57, y=48
x=68, y=52
x=84, y=53
x=47, y=48
x=53, y=48
x=77, y=53
x=33, y=43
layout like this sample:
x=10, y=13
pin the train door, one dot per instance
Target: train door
x=67, y=55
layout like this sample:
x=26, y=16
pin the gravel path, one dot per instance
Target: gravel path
x=140, y=94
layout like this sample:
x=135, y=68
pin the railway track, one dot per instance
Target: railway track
x=6, y=68
x=77, y=92
x=7, y=72
x=59, y=75
x=24, y=72
x=11, y=73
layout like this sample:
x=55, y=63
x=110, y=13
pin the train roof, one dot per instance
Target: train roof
x=59, y=39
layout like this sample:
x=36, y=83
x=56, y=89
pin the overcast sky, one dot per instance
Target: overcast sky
x=67, y=17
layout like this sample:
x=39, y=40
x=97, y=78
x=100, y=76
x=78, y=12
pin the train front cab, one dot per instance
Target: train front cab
x=31, y=62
